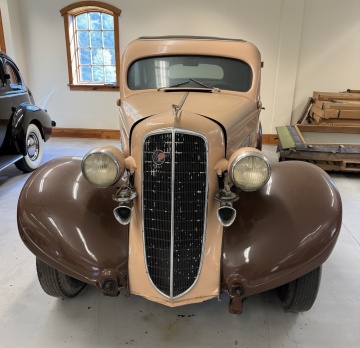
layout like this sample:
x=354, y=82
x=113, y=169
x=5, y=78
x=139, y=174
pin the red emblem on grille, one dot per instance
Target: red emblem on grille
x=158, y=157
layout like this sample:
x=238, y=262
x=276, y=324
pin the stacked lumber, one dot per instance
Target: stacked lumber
x=341, y=108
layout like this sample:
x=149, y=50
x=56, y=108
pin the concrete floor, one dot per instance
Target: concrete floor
x=30, y=318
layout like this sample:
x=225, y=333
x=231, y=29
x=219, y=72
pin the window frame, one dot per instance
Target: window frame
x=69, y=13
x=225, y=83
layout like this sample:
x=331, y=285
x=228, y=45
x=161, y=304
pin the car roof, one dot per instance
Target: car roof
x=187, y=37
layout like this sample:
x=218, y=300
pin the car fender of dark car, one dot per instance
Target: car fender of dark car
x=17, y=112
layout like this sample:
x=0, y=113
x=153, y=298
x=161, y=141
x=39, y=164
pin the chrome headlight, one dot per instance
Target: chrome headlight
x=249, y=169
x=103, y=166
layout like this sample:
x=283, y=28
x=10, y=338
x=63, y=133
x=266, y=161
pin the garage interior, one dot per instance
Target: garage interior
x=307, y=45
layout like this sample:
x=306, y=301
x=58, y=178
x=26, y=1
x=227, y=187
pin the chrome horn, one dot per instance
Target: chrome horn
x=226, y=214
x=125, y=196
x=123, y=213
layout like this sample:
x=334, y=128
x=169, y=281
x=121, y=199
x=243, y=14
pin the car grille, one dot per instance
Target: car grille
x=174, y=204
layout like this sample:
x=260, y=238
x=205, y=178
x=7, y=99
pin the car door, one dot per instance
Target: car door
x=6, y=103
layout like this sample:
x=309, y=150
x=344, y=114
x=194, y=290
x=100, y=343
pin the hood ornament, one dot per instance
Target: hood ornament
x=177, y=108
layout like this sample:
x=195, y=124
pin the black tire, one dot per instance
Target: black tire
x=55, y=283
x=300, y=294
x=34, y=150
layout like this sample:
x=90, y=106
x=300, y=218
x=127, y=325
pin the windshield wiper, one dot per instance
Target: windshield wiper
x=187, y=81
x=203, y=84
x=176, y=85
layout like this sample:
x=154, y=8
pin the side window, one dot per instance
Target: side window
x=11, y=71
x=2, y=73
x=92, y=43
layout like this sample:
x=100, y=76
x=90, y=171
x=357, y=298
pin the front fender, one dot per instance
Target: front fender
x=69, y=224
x=282, y=231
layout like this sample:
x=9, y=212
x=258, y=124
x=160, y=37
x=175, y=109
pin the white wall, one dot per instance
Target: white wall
x=300, y=42
x=329, y=57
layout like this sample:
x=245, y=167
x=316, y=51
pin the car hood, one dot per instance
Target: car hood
x=223, y=107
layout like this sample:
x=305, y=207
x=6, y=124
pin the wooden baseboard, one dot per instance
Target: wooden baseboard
x=268, y=139
x=85, y=133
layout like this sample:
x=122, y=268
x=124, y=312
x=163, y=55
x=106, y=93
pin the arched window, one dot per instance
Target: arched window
x=92, y=45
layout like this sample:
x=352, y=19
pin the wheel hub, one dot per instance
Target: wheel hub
x=32, y=146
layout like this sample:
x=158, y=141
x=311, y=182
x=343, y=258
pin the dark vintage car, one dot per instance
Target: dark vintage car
x=24, y=127
x=187, y=207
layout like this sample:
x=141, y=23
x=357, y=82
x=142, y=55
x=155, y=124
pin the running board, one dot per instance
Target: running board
x=8, y=160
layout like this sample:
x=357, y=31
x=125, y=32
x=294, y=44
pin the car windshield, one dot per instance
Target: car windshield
x=190, y=71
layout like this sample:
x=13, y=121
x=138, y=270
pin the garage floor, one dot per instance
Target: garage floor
x=30, y=318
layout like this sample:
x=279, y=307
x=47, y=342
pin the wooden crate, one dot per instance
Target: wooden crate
x=341, y=108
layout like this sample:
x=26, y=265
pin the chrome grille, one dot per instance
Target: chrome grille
x=174, y=205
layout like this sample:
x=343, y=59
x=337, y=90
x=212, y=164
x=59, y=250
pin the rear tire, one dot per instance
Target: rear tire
x=56, y=283
x=300, y=294
x=34, y=150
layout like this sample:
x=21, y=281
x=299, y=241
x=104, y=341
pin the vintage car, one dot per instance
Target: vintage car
x=24, y=127
x=188, y=207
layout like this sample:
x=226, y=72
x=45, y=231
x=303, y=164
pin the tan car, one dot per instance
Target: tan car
x=188, y=207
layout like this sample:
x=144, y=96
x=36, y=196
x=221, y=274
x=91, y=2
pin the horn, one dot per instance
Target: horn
x=226, y=214
x=123, y=214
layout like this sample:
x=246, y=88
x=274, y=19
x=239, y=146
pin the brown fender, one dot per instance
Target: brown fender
x=69, y=224
x=282, y=231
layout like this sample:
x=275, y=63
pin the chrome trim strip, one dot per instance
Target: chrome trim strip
x=12, y=161
x=11, y=94
x=172, y=214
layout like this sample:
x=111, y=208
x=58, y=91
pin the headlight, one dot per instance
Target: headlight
x=249, y=169
x=103, y=166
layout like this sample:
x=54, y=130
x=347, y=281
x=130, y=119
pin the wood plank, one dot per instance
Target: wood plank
x=327, y=129
x=270, y=139
x=317, y=120
x=85, y=133
x=325, y=113
x=319, y=156
x=328, y=96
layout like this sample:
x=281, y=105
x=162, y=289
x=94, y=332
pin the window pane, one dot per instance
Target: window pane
x=91, y=39
x=85, y=74
x=98, y=72
x=97, y=56
x=84, y=56
x=230, y=74
x=14, y=76
x=109, y=56
x=95, y=21
x=110, y=74
x=82, y=22
x=107, y=22
x=96, y=40
x=109, y=39
x=83, y=39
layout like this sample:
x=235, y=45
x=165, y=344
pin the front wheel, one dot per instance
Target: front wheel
x=34, y=150
x=300, y=294
x=56, y=283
